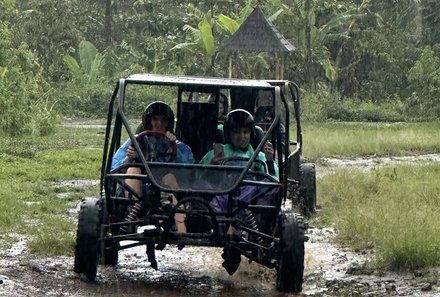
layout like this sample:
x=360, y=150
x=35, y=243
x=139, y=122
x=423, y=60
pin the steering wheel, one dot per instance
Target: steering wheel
x=156, y=147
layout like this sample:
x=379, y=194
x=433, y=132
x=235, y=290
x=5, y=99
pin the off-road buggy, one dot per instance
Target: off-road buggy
x=267, y=232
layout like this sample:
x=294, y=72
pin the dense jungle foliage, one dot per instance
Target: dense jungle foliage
x=354, y=59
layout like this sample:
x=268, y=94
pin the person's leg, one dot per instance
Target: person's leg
x=179, y=218
x=130, y=213
x=135, y=184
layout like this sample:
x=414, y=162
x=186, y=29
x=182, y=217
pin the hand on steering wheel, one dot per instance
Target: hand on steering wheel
x=156, y=146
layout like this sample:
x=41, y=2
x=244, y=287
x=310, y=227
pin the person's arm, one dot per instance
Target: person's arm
x=120, y=154
x=271, y=165
x=207, y=158
x=184, y=154
x=273, y=168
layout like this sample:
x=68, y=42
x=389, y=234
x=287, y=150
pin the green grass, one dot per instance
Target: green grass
x=393, y=210
x=30, y=205
x=362, y=139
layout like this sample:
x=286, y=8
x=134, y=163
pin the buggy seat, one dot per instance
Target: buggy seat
x=197, y=126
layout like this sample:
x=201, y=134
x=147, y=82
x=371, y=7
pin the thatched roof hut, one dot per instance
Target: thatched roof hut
x=257, y=34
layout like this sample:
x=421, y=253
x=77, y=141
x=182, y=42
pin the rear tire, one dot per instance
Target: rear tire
x=87, y=238
x=307, y=188
x=290, y=266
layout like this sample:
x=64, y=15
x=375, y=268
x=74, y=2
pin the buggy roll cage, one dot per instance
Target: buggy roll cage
x=192, y=83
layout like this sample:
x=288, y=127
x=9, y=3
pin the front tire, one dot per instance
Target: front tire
x=290, y=266
x=87, y=238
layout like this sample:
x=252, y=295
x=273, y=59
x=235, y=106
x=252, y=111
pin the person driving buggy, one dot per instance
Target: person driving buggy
x=157, y=125
x=158, y=116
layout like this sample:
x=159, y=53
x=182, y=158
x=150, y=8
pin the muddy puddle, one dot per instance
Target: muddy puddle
x=330, y=270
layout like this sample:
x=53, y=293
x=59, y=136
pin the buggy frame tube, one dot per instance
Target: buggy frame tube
x=107, y=136
x=122, y=85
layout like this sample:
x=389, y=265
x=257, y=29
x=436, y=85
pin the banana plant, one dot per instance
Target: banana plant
x=311, y=40
x=90, y=63
x=205, y=39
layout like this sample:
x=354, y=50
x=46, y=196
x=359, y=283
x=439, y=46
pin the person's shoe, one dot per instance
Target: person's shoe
x=231, y=261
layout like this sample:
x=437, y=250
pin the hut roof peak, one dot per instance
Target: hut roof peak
x=257, y=34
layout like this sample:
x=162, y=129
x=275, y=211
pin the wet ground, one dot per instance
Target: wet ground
x=329, y=270
x=327, y=165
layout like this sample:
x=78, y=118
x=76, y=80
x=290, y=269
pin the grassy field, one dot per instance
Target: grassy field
x=30, y=204
x=391, y=209
x=362, y=139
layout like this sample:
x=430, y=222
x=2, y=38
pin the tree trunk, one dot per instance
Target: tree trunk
x=308, y=54
x=108, y=23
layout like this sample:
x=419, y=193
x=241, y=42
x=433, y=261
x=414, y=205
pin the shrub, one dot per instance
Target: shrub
x=19, y=113
x=323, y=105
x=424, y=78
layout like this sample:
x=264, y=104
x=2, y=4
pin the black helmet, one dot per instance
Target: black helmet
x=158, y=108
x=235, y=119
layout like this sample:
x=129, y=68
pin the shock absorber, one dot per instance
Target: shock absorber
x=133, y=215
x=251, y=223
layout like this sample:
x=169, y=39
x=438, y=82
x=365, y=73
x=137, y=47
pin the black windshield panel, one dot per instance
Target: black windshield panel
x=199, y=178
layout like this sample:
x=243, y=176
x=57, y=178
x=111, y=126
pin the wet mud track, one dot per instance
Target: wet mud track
x=196, y=271
x=193, y=271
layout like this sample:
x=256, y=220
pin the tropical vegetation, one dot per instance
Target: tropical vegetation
x=62, y=58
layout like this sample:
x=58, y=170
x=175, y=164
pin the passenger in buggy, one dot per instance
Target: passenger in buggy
x=157, y=117
x=223, y=106
x=239, y=128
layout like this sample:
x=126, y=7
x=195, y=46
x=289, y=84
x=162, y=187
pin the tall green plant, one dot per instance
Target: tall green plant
x=90, y=66
x=310, y=38
x=21, y=108
x=425, y=81
x=21, y=85
x=200, y=42
x=87, y=92
x=50, y=28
